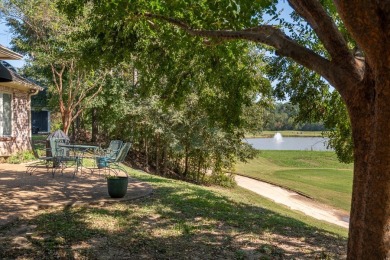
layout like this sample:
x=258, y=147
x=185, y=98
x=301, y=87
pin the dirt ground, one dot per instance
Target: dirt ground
x=165, y=225
x=22, y=193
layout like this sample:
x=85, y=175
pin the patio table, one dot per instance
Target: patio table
x=80, y=147
x=79, y=150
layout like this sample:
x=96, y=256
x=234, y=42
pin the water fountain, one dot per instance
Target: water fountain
x=278, y=138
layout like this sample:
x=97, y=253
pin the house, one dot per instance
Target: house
x=15, y=110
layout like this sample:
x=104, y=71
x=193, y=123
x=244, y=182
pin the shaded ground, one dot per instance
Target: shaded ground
x=295, y=201
x=178, y=221
x=22, y=193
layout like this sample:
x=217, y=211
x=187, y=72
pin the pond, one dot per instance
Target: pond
x=278, y=142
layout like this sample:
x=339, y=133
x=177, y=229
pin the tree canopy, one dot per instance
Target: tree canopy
x=342, y=42
x=184, y=105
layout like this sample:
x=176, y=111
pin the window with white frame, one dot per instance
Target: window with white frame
x=5, y=114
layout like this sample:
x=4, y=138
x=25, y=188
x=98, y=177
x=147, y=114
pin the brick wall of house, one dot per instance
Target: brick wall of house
x=20, y=139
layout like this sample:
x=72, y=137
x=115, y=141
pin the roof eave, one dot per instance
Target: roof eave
x=24, y=86
x=7, y=54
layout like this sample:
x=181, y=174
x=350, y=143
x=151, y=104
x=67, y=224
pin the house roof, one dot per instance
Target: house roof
x=8, y=75
x=7, y=54
x=10, y=78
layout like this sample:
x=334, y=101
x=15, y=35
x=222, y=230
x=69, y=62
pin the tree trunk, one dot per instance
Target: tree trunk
x=76, y=129
x=146, y=153
x=66, y=121
x=198, y=169
x=369, y=233
x=165, y=159
x=158, y=154
x=186, y=162
x=95, y=125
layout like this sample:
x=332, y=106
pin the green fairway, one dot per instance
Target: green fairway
x=316, y=174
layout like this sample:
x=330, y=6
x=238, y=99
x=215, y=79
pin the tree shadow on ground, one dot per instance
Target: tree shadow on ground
x=177, y=222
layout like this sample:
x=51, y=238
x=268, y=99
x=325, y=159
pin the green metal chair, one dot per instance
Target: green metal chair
x=42, y=161
x=113, y=149
x=115, y=164
x=62, y=155
x=108, y=154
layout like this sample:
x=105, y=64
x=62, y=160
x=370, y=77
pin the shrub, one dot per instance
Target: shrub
x=20, y=157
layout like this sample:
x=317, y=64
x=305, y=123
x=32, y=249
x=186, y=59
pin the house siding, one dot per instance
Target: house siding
x=21, y=128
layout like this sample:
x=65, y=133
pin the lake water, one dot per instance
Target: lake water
x=289, y=143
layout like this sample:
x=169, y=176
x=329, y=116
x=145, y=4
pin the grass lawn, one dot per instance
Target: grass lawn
x=318, y=174
x=37, y=137
x=287, y=133
x=179, y=221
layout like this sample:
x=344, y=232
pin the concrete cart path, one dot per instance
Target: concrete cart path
x=295, y=201
x=22, y=193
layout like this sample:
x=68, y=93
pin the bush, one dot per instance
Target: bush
x=221, y=179
x=21, y=157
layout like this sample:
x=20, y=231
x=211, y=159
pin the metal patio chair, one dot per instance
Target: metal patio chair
x=113, y=149
x=115, y=164
x=62, y=155
x=43, y=162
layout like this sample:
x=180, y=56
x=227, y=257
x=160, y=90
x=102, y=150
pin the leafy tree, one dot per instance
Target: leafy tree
x=176, y=140
x=344, y=42
x=184, y=138
x=286, y=116
x=47, y=38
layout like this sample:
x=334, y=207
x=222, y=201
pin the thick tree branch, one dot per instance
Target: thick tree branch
x=271, y=36
x=87, y=101
x=316, y=16
x=58, y=84
x=369, y=23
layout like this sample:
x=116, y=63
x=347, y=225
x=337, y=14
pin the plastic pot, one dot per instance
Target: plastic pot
x=117, y=186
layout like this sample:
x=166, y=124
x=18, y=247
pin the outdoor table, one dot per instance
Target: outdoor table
x=79, y=150
x=80, y=147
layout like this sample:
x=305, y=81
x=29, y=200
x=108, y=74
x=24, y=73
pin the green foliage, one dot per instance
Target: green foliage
x=55, y=121
x=221, y=14
x=54, y=54
x=222, y=179
x=177, y=139
x=317, y=101
x=21, y=157
x=285, y=116
x=155, y=40
x=336, y=118
x=182, y=103
x=40, y=100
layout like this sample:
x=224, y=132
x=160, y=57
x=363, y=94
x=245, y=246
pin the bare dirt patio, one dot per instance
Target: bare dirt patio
x=22, y=193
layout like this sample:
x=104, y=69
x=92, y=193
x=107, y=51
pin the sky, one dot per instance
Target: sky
x=5, y=38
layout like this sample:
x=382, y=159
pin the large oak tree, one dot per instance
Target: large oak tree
x=351, y=53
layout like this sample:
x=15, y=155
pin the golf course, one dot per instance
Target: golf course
x=315, y=174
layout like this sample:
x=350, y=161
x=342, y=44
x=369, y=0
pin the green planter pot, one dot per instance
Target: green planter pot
x=117, y=187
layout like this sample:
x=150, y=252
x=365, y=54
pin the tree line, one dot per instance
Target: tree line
x=284, y=116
